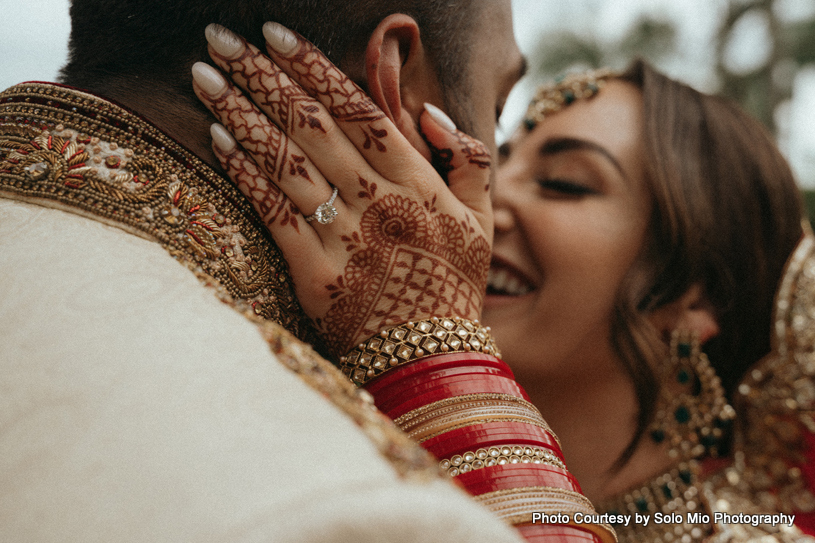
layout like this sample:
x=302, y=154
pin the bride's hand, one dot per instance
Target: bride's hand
x=404, y=245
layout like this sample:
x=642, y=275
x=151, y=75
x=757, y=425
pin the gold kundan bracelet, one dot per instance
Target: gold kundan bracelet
x=411, y=341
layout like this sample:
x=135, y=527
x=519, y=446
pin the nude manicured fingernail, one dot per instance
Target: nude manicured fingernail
x=224, y=41
x=440, y=117
x=208, y=78
x=222, y=138
x=280, y=38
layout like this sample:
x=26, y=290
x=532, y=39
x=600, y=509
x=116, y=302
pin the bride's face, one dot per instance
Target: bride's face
x=571, y=212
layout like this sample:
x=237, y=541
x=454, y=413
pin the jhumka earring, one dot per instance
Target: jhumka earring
x=692, y=411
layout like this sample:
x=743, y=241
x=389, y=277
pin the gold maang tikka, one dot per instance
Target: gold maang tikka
x=551, y=98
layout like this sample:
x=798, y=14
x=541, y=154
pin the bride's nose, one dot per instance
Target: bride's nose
x=502, y=212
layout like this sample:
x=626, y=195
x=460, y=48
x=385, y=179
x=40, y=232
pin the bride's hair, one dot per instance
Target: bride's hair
x=726, y=215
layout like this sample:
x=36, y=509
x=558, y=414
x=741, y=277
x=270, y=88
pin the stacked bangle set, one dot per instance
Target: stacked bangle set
x=443, y=383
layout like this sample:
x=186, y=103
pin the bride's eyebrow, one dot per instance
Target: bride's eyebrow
x=554, y=146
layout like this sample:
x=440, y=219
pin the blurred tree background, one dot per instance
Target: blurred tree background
x=781, y=45
x=761, y=85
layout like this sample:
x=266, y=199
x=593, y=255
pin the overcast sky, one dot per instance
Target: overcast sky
x=34, y=33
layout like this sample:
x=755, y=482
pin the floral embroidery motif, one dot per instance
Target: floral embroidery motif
x=67, y=148
x=58, y=158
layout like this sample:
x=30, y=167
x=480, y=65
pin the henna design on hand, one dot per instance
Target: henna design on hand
x=368, y=190
x=269, y=201
x=273, y=91
x=263, y=140
x=345, y=101
x=374, y=137
x=406, y=262
x=473, y=150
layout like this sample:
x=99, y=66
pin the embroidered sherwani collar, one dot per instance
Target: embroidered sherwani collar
x=64, y=148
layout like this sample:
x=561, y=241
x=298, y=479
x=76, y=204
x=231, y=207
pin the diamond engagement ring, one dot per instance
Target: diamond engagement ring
x=326, y=213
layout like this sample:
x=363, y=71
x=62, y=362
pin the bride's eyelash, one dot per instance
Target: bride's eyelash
x=564, y=186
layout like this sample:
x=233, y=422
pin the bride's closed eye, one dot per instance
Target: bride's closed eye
x=564, y=187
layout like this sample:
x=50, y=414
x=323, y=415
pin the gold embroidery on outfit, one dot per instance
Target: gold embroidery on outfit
x=408, y=459
x=70, y=150
x=775, y=410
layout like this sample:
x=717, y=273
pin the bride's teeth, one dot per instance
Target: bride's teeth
x=503, y=281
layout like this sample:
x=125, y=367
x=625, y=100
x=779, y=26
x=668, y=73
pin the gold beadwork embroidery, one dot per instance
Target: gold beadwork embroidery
x=68, y=149
x=673, y=492
x=411, y=341
x=499, y=456
x=776, y=399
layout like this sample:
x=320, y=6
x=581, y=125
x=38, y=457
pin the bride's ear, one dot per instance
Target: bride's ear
x=692, y=311
x=400, y=76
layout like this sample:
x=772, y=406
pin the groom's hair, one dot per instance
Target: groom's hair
x=153, y=40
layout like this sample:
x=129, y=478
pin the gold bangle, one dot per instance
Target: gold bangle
x=473, y=421
x=499, y=456
x=414, y=340
x=516, y=506
x=460, y=411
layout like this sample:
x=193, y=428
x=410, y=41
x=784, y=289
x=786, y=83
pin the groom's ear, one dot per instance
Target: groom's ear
x=400, y=76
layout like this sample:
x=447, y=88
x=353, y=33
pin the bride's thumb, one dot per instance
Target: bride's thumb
x=463, y=159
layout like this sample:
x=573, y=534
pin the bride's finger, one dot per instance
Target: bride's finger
x=310, y=260
x=278, y=212
x=300, y=116
x=368, y=128
x=279, y=158
x=464, y=160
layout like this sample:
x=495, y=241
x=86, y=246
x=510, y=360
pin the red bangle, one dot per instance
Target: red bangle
x=434, y=367
x=438, y=375
x=398, y=402
x=490, y=434
x=510, y=476
x=437, y=361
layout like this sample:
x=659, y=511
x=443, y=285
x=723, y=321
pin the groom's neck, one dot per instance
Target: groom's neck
x=172, y=109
